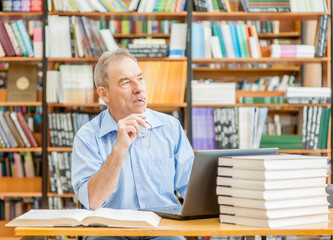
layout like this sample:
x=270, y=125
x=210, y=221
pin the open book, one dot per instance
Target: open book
x=75, y=217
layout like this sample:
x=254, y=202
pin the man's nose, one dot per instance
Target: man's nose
x=137, y=87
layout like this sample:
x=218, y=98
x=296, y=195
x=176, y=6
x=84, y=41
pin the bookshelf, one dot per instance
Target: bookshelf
x=281, y=66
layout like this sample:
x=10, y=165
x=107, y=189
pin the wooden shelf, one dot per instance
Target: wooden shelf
x=37, y=149
x=305, y=151
x=262, y=16
x=65, y=195
x=178, y=16
x=260, y=60
x=280, y=35
x=141, y=35
x=20, y=59
x=275, y=105
x=21, y=187
x=203, y=72
x=95, y=59
x=20, y=103
x=21, y=14
x=59, y=149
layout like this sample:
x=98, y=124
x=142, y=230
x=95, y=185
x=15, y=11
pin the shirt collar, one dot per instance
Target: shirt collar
x=109, y=124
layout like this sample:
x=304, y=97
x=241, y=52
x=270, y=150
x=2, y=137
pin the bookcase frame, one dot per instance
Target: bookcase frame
x=42, y=189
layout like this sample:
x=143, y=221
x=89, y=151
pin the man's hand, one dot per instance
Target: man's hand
x=129, y=128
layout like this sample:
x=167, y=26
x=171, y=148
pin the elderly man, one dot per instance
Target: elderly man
x=129, y=157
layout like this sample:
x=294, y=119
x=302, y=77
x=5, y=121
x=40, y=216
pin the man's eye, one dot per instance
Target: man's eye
x=141, y=79
x=125, y=82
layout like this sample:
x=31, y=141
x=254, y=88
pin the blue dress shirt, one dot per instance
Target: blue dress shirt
x=149, y=176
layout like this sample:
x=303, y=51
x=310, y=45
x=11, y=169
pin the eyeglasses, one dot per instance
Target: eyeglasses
x=145, y=136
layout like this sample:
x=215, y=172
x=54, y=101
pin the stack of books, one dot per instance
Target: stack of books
x=292, y=51
x=308, y=95
x=272, y=190
x=209, y=92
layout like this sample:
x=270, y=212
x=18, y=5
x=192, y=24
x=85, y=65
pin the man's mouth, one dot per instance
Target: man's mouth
x=139, y=101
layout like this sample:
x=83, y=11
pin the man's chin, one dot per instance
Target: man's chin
x=140, y=109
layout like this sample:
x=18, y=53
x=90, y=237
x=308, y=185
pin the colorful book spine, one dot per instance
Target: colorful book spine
x=25, y=5
x=16, y=6
x=36, y=5
x=25, y=37
x=13, y=40
x=19, y=38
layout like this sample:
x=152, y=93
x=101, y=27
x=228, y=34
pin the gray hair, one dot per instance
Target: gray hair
x=101, y=73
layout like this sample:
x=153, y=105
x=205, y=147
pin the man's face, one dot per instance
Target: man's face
x=127, y=89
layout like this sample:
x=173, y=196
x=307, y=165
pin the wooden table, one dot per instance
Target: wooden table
x=167, y=227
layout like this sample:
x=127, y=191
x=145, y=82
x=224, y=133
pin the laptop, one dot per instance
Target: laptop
x=201, y=199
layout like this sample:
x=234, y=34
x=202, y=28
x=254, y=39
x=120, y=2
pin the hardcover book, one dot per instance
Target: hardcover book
x=75, y=217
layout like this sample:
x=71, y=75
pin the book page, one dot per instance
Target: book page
x=77, y=214
x=127, y=215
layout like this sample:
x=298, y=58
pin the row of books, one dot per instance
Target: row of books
x=71, y=36
x=71, y=84
x=281, y=190
x=308, y=6
x=126, y=26
x=59, y=164
x=157, y=5
x=266, y=26
x=13, y=207
x=212, y=6
x=64, y=126
x=283, y=141
x=148, y=48
x=306, y=95
x=117, y=6
x=315, y=125
x=282, y=132
x=284, y=6
x=281, y=124
x=322, y=36
x=20, y=165
x=224, y=41
x=87, y=6
x=210, y=92
x=15, y=131
x=62, y=203
x=21, y=5
x=15, y=38
x=227, y=128
x=275, y=83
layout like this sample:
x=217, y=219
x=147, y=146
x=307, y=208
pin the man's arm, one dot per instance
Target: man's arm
x=102, y=184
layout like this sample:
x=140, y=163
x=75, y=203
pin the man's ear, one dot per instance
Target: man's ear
x=103, y=94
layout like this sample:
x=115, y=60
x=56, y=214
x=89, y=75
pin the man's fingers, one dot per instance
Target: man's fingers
x=138, y=118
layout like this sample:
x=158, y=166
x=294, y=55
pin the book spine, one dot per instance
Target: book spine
x=16, y=6
x=19, y=38
x=36, y=5
x=26, y=129
x=7, y=132
x=5, y=41
x=13, y=39
x=19, y=128
x=25, y=37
